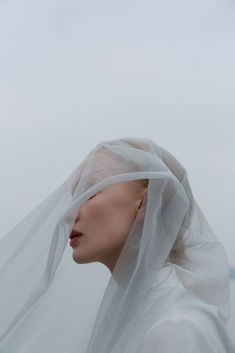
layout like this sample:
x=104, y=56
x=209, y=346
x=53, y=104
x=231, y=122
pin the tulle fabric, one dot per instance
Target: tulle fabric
x=48, y=303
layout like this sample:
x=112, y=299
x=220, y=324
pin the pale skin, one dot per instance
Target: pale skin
x=105, y=221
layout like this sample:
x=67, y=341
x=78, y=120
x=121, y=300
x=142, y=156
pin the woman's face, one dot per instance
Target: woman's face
x=105, y=221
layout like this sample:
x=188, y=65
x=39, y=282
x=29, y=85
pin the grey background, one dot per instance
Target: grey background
x=73, y=73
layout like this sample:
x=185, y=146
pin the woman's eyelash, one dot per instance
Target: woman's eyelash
x=91, y=197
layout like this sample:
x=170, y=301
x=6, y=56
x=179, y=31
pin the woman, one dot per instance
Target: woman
x=129, y=207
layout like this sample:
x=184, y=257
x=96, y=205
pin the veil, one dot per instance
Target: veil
x=50, y=304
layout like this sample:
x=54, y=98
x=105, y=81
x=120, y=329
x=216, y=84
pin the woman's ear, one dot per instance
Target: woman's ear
x=142, y=208
x=142, y=197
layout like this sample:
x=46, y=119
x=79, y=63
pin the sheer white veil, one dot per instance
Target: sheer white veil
x=48, y=303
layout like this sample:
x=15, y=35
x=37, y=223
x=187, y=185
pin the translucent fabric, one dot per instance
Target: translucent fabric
x=49, y=303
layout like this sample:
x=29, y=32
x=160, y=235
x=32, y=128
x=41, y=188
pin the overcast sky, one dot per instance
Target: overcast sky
x=73, y=73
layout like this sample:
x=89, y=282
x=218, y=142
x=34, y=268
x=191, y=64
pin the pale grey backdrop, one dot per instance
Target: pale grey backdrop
x=73, y=73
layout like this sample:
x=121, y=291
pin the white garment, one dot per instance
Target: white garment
x=184, y=323
x=178, y=321
x=49, y=304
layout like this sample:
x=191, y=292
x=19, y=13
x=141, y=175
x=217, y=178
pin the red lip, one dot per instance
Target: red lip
x=74, y=233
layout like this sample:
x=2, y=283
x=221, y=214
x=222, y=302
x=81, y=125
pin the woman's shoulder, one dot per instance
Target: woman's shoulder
x=184, y=322
x=177, y=334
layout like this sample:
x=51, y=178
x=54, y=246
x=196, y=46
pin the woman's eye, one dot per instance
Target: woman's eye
x=91, y=197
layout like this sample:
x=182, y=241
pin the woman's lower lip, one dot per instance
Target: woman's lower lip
x=74, y=240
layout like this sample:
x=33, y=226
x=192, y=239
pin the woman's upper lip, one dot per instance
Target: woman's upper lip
x=74, y=233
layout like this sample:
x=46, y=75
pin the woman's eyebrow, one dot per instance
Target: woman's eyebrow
x=91, y=182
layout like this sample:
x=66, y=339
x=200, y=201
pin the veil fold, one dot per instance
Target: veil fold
x=48, y=303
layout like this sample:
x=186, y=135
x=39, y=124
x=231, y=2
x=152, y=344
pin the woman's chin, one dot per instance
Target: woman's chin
x=78, y=258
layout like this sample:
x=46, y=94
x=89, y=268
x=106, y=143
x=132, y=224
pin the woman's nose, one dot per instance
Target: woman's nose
x=77, y=217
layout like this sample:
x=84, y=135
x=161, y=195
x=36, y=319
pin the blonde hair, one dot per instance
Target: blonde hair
x=177, y=254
